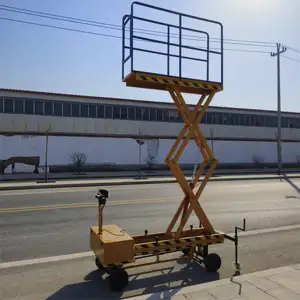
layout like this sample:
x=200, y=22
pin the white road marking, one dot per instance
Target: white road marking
x=77, y=189
x=35, y=261
x=45, y=260
x=268, y=230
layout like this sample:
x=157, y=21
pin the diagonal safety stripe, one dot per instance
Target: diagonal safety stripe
x=161, y=246
x=82, y=205
x=185, y=82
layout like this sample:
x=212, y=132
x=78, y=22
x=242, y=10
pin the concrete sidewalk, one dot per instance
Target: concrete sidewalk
x=274, y=284
x=130, y=174
x=127, y=181
x=75, y=276
x=86, y=175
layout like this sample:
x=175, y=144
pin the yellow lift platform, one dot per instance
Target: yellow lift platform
x=113, y=247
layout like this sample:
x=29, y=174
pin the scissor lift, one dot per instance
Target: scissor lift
x=114, y=248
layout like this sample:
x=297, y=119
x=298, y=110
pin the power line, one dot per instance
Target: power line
x=291, y=58
x=62, y=18
x=293, y=49
x=62, y=28
x=118, y=27
x=109, y=35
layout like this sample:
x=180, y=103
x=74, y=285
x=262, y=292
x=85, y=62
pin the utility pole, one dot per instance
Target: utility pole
x=140, y=143
x=280, y=50
x=46, y=157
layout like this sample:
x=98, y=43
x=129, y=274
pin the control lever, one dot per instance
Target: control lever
x=101, y=196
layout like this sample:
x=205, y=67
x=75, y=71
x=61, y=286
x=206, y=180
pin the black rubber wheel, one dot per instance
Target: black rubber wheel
x=98, y=263
x=212, y=262
x=118, y=279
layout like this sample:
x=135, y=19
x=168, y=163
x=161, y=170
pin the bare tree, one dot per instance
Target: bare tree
x=150, y=161
x=78, y=159
x=257, y=159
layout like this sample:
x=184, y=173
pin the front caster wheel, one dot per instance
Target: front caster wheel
x=212, y=262
x=118, y=279
x=185, y=251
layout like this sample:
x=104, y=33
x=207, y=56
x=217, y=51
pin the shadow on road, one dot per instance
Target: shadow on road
x=165, y=281
x=289, y=181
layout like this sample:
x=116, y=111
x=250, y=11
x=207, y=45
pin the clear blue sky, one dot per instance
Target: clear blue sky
x=52, y=60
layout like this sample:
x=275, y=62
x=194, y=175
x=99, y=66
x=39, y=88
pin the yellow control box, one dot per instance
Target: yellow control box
x=112, y=246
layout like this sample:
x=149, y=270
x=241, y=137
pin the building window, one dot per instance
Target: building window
x=209, y=118
x=66, y=109
x=92, y=111
x=225, y=119
x=117, y=112
x=84, y=110
x=247, y=120
x=131, y=113
x=138, y=112
x=284, y=122
x=48, y=108
x=123, y=112
x=159, y=115
x=297, y=123
x=166, y=115
x=108, y=111
x=58, y=109
x=19, y=106
x=8, y=105
x=100, y=111
x=75, y=110
x=293, y=123
x=217, y=118
x=29, y=106
x=172, y=115
x=252, y=120
x=152, y=114
x=229, y=119
x=272, y=121
x=38, y=107
x=260, y=121
x=146, y=113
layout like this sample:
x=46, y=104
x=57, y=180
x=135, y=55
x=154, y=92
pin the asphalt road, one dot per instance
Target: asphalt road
x=41, y=223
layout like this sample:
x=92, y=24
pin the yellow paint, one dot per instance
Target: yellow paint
x=82, y=205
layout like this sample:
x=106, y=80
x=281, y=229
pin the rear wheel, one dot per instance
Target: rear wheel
x=212, y=262
x=118, y=279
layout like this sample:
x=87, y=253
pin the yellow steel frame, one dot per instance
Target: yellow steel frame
x=190, y=130
x=172, y=240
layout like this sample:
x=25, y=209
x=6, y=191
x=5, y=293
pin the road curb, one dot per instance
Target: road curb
x=137, y=182
x=148, y=175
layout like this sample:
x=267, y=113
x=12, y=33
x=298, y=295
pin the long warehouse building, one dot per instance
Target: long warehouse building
x=106, y=129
